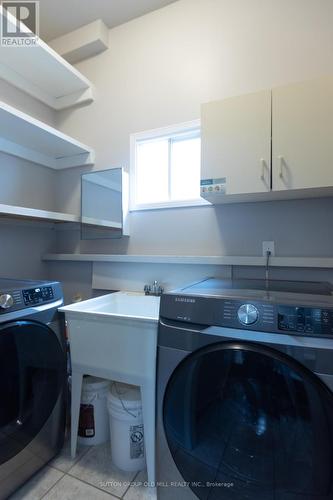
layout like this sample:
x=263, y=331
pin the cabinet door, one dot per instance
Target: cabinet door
x=302, y=132
x=236, y=142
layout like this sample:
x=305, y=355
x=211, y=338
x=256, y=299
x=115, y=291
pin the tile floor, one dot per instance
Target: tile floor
x=91, y=476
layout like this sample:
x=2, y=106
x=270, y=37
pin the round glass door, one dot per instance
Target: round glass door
x=245, y=422
x=32, y=375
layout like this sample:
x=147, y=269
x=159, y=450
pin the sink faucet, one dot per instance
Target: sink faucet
x=154, y=289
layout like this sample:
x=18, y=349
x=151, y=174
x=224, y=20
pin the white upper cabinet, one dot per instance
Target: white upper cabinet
x=236, y=145
x=302, y=135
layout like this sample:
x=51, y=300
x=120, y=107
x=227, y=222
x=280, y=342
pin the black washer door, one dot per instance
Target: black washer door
x=251, y=421
x=32, y=375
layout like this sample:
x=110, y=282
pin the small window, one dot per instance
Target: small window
x=165, y=167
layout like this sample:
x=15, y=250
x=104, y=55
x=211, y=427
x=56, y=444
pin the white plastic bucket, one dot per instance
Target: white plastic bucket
x=126, y=427
x=94, y=418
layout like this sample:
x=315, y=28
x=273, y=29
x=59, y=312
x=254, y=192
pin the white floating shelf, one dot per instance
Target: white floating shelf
x=90, y=221
x=42, y=73
x=30, y=139
x=32, y=213
x=315, y=262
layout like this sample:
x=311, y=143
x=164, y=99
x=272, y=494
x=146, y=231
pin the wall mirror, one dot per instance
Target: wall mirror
x=103, y=204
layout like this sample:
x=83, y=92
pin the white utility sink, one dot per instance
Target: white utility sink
x=115, y=337
x=124, y=304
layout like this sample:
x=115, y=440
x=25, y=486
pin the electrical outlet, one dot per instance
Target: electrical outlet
x=268, y=246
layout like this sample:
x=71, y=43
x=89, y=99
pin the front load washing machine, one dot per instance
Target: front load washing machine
x=33, y=382
x=245, y=401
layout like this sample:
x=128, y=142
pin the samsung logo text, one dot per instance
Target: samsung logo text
x=185, y=299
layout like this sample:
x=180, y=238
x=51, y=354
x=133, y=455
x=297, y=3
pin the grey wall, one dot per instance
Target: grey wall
x=22, y=183
x=76, y=279
x=19, y=99
x=25, y=184
x=158, y=71
x=21, y=247
x=298, y=227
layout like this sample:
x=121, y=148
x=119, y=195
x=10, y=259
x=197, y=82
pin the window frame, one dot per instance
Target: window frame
x=168, y=132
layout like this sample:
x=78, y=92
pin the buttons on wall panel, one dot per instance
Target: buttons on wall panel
x=217, y=186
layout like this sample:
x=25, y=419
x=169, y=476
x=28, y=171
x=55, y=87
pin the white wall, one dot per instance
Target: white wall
x=23, y=183
x=21, y=247
x=158, y=70
x=25, y=103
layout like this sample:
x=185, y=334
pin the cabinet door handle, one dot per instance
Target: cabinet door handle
x=263, y=168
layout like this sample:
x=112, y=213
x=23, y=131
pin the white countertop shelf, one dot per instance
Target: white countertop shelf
x=42, y=73
x=25, y=137
x=50, y=216
x=90, y=221
x=36, y=214
x=314, y=262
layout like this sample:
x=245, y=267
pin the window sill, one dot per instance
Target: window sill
x=171, y=204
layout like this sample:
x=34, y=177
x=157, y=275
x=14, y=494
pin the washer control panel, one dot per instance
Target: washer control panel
x=38, y=295
x=19, y=295
x=248, y=314
x=258, y=316
x=10, y=300
x=6, y=300
x=305, y=320
x=278, y=318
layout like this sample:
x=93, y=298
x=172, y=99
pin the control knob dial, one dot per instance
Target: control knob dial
x=6, y=301
x=248, y=314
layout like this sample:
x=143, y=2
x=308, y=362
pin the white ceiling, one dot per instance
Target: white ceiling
x=58, y=17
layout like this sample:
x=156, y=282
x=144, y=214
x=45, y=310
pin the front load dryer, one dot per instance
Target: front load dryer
x=33, y=382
